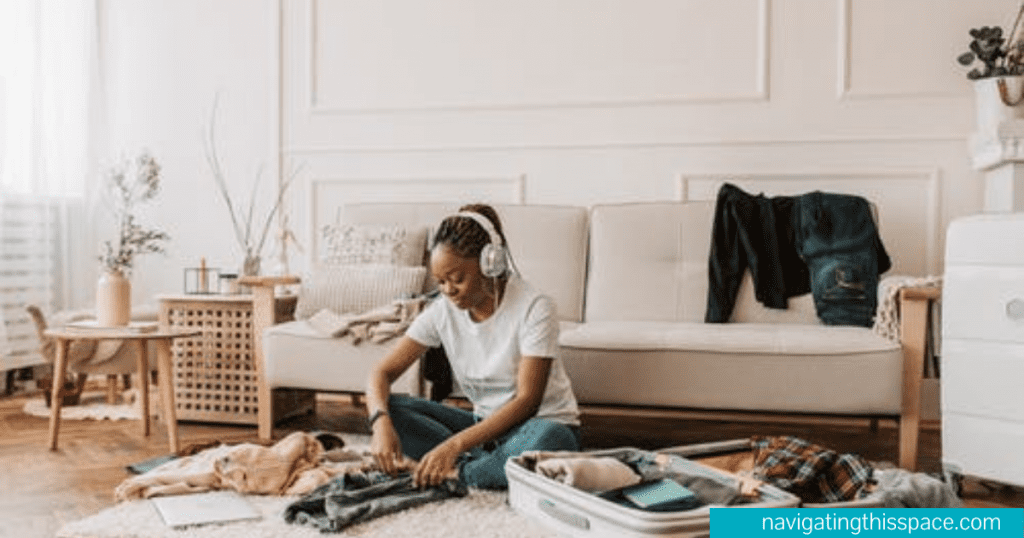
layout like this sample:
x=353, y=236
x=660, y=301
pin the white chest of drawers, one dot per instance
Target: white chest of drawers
x=983, y=348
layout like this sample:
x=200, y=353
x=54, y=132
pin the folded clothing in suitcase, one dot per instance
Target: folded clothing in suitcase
x=875, y=499
x=576, y=512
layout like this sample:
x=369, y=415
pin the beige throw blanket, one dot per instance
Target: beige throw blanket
x=887, y=316
x=294, y=465
x=377, y=325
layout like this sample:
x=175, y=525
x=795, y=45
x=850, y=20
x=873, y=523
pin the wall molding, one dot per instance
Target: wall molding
x=690, y=185
x=759, y=93
x=844, y=66
x=442, y=148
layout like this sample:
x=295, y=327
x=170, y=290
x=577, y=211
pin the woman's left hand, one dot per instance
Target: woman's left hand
x=437, y=465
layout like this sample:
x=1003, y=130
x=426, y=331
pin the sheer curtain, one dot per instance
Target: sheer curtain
x=48, y=137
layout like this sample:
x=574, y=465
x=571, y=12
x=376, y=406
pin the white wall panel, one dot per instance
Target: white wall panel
x=887, y=50
x=408, y=55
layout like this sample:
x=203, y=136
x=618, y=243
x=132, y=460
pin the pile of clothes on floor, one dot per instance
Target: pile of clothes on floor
x=339, y=486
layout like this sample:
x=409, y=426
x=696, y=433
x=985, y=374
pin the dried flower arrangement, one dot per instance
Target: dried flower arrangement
x=250, y=232
x=131, y=184
x=999, y=56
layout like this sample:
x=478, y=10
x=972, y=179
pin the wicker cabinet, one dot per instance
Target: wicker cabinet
x=216, y=378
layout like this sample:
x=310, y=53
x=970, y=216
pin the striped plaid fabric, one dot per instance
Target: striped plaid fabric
x=811, y=472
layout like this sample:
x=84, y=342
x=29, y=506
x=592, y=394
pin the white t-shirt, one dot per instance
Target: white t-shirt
x=485, y=356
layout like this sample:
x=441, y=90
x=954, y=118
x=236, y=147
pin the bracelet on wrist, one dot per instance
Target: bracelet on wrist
x=375, y=416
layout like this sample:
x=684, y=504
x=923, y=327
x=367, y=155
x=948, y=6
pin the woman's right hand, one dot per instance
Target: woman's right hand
x=385, y=446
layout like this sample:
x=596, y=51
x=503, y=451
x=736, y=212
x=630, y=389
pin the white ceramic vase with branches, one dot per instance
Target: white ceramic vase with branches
x=130, y=185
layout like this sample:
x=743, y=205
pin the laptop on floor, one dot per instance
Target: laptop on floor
x=202, y=508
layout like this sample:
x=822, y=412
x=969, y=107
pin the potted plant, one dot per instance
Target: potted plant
x=998, y=73
x=130, y=185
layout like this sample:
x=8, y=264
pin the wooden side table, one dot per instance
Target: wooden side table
x=915, y=303
x=162, y=337
x=217, y=376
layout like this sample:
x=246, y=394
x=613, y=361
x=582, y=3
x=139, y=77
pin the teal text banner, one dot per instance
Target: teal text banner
x=847, y=522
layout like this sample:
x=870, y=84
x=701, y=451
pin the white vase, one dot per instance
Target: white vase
x=113, y=299
x=994, y=108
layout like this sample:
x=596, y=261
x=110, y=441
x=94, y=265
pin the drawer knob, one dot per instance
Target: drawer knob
x=1015, y=309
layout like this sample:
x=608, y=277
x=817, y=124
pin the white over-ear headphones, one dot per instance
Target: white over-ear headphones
x=494, y=259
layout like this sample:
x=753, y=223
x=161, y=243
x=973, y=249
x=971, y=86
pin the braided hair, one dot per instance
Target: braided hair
x=467, y=237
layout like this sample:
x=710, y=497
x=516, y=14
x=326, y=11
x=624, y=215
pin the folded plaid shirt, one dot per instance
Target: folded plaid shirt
x=811, y=472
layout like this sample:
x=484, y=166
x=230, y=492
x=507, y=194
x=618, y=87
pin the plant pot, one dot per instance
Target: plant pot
x=113, y=299
x=995, y=104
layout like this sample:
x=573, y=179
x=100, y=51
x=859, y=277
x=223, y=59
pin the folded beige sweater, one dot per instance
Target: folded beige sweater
x=294, y=465
x=588, y=473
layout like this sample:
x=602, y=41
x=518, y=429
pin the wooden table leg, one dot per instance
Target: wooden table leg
x=913, y=332
x=142, y=363
x=112, y=389
x=56, y=391
x=263, y=316
x=166, y=380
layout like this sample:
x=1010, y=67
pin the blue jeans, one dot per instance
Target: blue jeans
x=356, y=497
x=422, y=425
x=837, y=237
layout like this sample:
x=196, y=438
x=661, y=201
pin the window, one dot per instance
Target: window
x=47, y=72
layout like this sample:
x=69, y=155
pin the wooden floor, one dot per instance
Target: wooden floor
x=41, y=490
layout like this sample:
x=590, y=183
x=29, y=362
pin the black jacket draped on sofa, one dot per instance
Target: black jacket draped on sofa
x=824, y=243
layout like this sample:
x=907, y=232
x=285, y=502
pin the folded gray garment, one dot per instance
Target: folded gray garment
x=711, y=491
x=901, y=488
x=588, y=473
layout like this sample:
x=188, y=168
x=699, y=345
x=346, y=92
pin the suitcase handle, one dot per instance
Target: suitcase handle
x=568, y=518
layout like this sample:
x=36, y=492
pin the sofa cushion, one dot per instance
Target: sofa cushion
x=298, y=356
x=648, y=261
x=759, y=367
x=345, y=244
x=356, y=288
x=755, y=367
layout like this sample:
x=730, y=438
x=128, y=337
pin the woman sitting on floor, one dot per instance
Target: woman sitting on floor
x=501, y=338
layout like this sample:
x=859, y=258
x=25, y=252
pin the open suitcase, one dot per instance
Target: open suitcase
x=574, y=512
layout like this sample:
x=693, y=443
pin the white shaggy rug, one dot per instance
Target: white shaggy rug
x=480, y=514
x=94, y=406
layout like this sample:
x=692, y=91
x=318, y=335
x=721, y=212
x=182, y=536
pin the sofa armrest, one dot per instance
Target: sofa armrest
x=264, y=314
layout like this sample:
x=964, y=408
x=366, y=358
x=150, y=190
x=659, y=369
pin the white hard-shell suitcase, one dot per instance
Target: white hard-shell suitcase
x=574, y=512
x=983, y=348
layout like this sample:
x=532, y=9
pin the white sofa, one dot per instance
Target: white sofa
x=630, y=282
